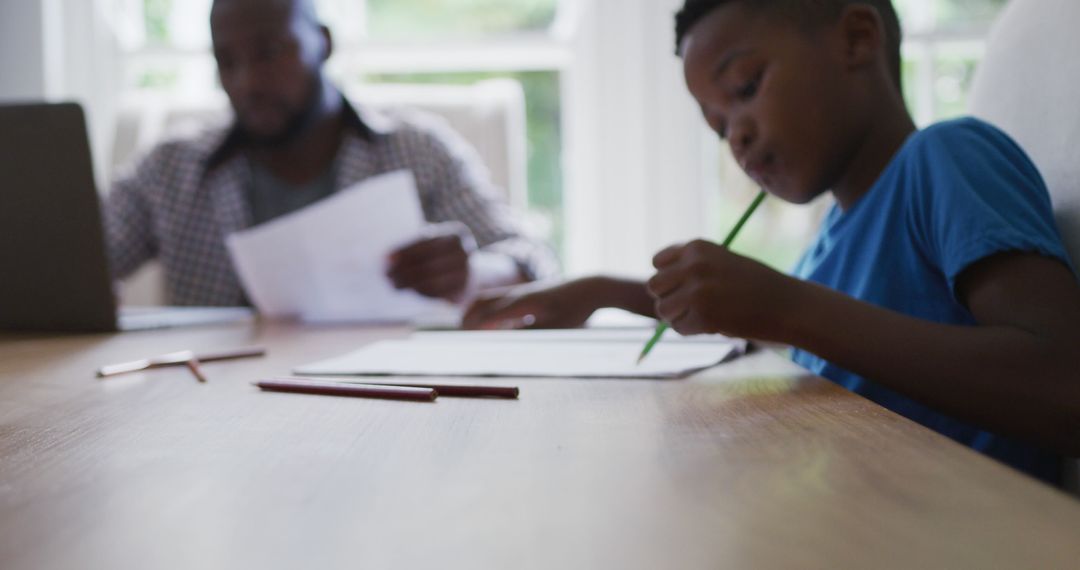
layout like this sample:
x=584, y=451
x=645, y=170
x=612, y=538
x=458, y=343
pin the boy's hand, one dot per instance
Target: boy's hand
x=566, y=305
x=701, y=287
x=437, y=266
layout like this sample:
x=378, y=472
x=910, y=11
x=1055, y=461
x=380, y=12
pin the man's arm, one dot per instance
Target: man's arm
x=127, y=215
x=557, y=306
x=455, y=188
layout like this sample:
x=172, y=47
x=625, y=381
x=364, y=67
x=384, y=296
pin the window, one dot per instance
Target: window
x=392, y=41
x=943, y=43
x=610, y=190
x=427, y=19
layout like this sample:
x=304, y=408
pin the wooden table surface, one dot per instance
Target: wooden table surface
x=750, y=465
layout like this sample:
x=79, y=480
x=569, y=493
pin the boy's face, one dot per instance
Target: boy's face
x=778, y=94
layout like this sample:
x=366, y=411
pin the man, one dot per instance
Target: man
x=296, y=140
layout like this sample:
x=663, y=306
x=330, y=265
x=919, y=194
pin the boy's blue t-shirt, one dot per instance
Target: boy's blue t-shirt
x=955, y=193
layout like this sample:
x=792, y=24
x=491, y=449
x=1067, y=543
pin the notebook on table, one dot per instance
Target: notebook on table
x=582, y=353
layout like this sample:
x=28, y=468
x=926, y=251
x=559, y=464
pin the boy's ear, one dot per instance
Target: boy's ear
x=863, y=34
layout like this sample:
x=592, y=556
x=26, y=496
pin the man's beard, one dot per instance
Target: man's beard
x=298, y=123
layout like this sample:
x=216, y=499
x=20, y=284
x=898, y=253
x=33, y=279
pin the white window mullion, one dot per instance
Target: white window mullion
x=635, y=164
x=540, y=54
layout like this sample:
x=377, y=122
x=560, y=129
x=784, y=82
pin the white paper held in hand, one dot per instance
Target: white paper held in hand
x=327, y=262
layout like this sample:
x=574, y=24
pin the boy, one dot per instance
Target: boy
x=938, y=285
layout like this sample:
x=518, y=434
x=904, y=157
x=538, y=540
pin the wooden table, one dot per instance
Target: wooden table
x=751, y=465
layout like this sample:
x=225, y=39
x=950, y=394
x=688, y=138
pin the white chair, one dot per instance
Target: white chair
x=1029, y=85
x=489, y=114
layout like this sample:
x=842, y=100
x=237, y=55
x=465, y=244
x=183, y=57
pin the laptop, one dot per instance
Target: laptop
x=53, y=266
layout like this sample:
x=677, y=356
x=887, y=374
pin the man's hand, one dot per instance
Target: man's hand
x=701, y=287
x=546, y=306
x=437, y=266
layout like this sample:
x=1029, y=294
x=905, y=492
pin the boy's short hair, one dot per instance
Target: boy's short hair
x=810, y=12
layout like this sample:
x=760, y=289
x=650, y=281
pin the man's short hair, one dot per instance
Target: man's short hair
x=810, y=12
x=306, y=8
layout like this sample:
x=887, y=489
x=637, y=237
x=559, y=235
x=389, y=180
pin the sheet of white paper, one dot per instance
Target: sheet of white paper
x=327, y=262
x=611, y=318
x=637, y=336
x=562, y=359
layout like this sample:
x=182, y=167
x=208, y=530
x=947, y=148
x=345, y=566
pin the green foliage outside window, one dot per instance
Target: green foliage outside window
x=156, y=16
x=396, y=19
x=951, y=14
x=953, y=64
x=965, y=13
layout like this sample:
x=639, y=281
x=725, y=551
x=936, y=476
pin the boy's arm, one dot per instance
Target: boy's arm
x=1017, y=372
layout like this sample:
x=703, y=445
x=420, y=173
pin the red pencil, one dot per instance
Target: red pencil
x=462, y=391
x=450, y=390
x=343, y=389
x=193, y=365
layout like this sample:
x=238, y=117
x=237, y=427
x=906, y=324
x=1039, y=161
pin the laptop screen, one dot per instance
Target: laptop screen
x=55, y=272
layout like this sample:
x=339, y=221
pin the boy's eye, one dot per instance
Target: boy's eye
x=749, y=89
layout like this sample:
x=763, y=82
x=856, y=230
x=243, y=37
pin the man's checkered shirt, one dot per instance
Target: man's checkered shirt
x=180, y=202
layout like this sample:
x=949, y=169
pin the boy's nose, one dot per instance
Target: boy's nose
x=740, y=135
x=740, y=139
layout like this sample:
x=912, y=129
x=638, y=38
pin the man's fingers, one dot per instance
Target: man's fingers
x=476, y=314
x=444, y=286
x=408, y=274
x=500, y=313
x=423, y=249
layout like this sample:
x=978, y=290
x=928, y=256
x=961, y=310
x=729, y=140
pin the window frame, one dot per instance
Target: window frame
x=629, y=187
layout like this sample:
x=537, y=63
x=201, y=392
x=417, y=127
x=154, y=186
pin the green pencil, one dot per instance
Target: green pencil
x=661, y=326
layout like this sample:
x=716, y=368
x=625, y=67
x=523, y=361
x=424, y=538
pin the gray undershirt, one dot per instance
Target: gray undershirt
x=272, y=197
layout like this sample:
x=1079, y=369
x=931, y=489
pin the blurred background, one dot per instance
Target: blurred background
x=616, y=161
